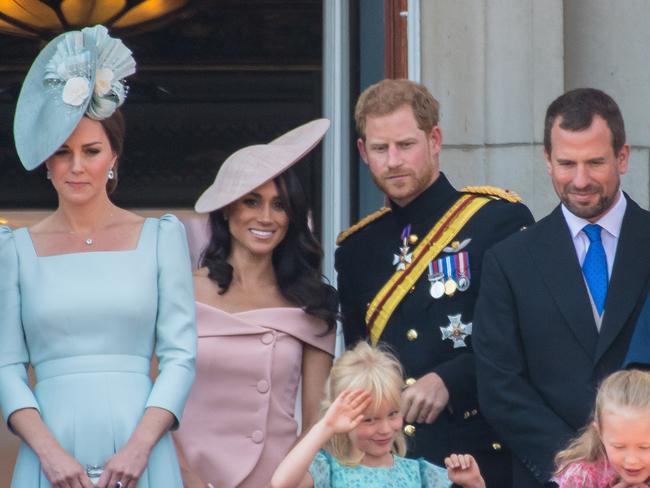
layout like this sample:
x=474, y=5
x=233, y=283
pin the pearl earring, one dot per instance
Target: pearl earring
x=48, y=175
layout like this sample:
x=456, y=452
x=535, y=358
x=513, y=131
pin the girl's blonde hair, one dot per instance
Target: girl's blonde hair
x=374, y=370
x=624, y=389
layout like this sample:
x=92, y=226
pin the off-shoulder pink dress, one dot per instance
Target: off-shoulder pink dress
x=239, y=421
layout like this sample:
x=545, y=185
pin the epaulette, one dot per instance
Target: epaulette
x=493, y=191
x=361, y=224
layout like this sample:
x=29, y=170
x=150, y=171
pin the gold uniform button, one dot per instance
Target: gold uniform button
x=496, y=446
x=411, y=334
x=409, y=430
x=413, y=238
x=466, y=415
x=410, y=381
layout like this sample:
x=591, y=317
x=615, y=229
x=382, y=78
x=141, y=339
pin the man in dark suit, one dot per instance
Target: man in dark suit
x=421, y=304
x=559, y=300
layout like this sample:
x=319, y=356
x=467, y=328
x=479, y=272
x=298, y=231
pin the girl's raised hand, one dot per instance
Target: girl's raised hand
x=462, y=469
x=347, y=410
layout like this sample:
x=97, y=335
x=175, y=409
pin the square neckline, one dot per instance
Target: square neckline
x=32, y=246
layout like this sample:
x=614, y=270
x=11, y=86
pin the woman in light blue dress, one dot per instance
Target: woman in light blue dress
x=91, y=292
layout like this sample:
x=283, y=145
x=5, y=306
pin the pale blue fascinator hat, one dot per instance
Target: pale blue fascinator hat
x=78, y=73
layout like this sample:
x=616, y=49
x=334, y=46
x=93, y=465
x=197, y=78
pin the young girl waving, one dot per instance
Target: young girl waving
x=359, y=440
x=614, y=449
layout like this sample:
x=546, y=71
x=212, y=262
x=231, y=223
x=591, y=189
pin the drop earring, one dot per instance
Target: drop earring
x=48, y=175
x=111, y=174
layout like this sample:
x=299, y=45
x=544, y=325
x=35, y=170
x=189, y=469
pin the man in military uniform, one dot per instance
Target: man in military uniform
x=408, y=275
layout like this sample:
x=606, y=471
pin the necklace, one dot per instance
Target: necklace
x=89, y=241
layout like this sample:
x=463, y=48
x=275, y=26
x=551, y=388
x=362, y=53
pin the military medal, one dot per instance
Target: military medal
x=405, y=255
x=456, y=331
x=462, y=270
x=436, y=278
x=450, y=273
x=450, y=287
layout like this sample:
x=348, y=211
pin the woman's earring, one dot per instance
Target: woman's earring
x=111, y=174
x=48, y=175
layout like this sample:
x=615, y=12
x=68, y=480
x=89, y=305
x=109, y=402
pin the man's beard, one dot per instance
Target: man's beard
x=603, y=204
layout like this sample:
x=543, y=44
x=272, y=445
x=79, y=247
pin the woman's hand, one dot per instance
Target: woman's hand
x=64, y=471
x=125, y=466
x=462, y=469
x=60, y=468
x=346, y=413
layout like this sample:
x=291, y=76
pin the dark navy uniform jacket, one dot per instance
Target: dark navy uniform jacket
x=364, y=263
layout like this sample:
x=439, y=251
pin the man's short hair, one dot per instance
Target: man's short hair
x=577, y=109
x=387, y=96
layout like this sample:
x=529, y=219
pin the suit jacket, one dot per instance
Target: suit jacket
x=638, y=355
x=539, y=354
x=364, y=263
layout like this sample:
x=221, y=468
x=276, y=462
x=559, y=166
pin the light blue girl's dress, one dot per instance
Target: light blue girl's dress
x=327, y=472
x=89, y=324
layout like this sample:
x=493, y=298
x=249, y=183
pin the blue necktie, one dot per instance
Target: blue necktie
x=594, y=267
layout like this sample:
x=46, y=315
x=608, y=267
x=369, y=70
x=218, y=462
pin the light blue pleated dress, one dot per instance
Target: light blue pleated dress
x=89, y=324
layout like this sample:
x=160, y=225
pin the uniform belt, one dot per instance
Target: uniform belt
x=95, y=363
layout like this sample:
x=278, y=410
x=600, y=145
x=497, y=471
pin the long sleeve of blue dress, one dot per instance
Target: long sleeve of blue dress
x=15, y=392
x=176, y=337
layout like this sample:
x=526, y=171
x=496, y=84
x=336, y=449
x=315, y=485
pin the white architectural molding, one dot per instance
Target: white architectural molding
x=336, y=146
x=413, y=40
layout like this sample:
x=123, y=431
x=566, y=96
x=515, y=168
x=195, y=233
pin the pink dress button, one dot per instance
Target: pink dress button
x=257, y=436
x=267, y=338
x=262, y=386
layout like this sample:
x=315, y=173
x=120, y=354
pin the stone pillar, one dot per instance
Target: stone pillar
x=606, y=47
x=495, y=65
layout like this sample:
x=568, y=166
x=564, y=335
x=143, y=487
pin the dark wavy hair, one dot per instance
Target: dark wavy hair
x=296, y=260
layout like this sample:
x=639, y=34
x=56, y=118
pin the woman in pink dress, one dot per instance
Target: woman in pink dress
x=265, y=319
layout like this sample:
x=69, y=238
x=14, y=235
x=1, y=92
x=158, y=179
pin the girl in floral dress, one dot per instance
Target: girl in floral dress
x=614, y=449
x=359, y=442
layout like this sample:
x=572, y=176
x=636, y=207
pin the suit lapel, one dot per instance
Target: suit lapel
x=629, y=275
x=554, y=253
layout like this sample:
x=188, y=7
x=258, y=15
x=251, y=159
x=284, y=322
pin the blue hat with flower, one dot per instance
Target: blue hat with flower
x=78, y=73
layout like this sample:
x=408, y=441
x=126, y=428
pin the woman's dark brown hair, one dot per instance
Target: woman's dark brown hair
x=115, y=127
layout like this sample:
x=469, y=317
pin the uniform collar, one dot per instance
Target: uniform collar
x=428, y=204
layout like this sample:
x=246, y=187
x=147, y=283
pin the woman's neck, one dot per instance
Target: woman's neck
x=251, y=271
x=87, y=218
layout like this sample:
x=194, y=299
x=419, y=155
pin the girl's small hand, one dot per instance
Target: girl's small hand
x=462, y=469
x=347, y=411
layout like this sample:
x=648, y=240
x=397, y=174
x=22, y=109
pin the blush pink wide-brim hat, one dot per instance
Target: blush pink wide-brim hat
x=252, y=166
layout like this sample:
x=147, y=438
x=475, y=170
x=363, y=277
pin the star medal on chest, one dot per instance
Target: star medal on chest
x=456, y=331
x=405, y=256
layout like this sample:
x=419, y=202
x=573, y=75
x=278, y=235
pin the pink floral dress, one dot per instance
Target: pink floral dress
x=581, y=474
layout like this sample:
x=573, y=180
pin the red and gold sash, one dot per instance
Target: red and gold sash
x=391, y=294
